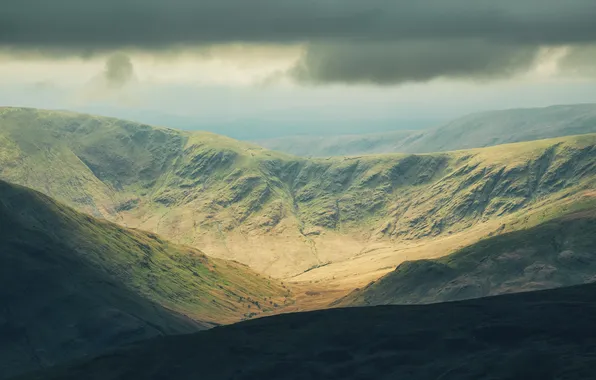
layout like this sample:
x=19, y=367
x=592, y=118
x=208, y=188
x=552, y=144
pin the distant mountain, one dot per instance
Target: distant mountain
x=473, y=131
x=343, y=145
x=287, y=216
x=73, y=286
x=538, y=335
x=554, y=254
x=259, y=125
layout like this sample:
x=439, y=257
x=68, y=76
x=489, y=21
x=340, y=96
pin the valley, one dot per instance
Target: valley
x=73, y=286
x=334, y=190
x=554, y=254
x=168, y=232
x=339, y=221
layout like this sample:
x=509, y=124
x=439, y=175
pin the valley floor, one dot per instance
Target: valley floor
x=319, y=287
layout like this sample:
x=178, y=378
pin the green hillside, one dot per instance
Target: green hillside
x=473, y=131
x=280, y=214
x=553, y=254
x=538, y=335
x=72, y=285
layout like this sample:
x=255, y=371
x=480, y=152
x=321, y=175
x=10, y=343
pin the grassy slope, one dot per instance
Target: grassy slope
x=91, y=162
x=539, y=335
x=71, y=284
x=553, y=254
x=56, y=304
x=283, y=215
x=473, y=131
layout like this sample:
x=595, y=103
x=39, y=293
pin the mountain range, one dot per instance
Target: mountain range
x=473, y=131
x=116, y=232
x=283, y=215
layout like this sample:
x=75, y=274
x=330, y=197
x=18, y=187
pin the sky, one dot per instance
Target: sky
x=269, y=68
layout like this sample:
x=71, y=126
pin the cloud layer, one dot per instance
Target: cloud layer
x=374, y=41
x=158, y=23
x=118, y=71
x=411, y=61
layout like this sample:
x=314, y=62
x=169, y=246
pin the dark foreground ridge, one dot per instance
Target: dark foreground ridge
x=538, y=335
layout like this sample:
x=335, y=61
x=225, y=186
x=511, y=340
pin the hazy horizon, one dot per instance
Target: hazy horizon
x=297, y=68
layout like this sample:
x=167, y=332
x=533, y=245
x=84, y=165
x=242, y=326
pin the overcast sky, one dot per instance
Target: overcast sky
x=278, y=67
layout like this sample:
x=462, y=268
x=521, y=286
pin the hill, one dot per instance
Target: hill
x=553, y=254
x=287, y=216
x=72, y=285
x=343, y=145
x=473, y=131
x=539, y=335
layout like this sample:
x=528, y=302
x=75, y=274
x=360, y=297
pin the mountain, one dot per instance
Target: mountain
x=473, y=131
x=72, y=285
x=343, y=144
x=538, y=335
x=245, y=124
x=285, y=216
x=556, y=253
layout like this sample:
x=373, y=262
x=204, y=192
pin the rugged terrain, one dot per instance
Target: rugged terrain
x=307, y=220
x=553, y=254
x=539, y=335
x=473, y=131
x=515, y=217
x=72, y=285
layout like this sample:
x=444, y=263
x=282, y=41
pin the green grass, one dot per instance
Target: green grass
x=195, y=186
x=60, y=298
x=556, y=253
x=72, y=285
x=181, y=278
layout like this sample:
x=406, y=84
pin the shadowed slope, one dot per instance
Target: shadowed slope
x=71, y=285
x=542, y=335
x=55, y=303
x=554, y=254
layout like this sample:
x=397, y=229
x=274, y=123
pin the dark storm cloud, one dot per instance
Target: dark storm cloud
x=158, y=23
x=376, y=40
x=581, y=60
x=411, y=61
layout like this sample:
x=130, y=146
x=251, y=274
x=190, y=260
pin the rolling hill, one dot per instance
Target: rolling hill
x=290, y=217
x=553, y=254
x=537, y=335
x=72, y=285
x=472, y=131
